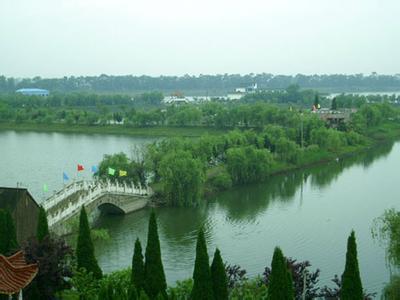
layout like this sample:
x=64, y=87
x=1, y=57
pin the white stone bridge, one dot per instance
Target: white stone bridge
x=96, y=196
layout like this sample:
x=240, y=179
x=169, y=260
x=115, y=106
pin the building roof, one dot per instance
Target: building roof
x=10, y=196
x=31, y=90
x=15, y=273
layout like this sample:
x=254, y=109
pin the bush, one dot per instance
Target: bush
x=221, y=180
x=182, y=289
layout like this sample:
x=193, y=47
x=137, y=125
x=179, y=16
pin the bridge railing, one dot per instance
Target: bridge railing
x=93, y=190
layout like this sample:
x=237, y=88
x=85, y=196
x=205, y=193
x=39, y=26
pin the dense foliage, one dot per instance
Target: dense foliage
x=387, y=230
x=220, y=82
x=42, y=227
x=8, y=238
x=155, y=283
x=84, y=250
x=219, y=278
x=305, y=282
x=53, y=256
x=280, y=284
x=351, y=280
x=202, y=280
x=134, y=168
x=138, y=274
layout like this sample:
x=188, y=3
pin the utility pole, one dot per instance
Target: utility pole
x=301, y=130
x=303, y=296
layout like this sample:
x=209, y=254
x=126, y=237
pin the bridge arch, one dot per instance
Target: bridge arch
x=109, y=208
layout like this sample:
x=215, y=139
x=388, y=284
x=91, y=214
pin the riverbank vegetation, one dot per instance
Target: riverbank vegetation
x=386, y=230
x=124, y=114
x=181, y=170
x=66, y=276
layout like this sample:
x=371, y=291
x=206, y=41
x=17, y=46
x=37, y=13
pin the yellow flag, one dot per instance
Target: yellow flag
x=122, y=173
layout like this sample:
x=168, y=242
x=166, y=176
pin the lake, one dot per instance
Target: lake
x=308, y=213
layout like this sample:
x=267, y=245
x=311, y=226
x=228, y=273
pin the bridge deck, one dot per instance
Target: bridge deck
x=67, y=202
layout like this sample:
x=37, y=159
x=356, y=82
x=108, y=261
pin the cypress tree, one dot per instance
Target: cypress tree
x=153, y=268
x=137, y=276
x=219, y=279
x=42, y=226
x=85, y=250
x=351, y=280
x=280, y=285
x=8, y=237
x=334, y=104
x=202, y=282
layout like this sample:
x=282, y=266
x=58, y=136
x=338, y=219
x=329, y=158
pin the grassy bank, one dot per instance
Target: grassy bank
x=165, y=131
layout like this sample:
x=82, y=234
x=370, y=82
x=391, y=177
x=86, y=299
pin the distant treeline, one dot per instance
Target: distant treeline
x=212, y=83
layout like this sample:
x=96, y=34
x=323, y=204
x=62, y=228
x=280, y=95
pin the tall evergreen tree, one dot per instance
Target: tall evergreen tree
x=138, y=276
x=202, y=282
x=8, y=237
x=154, y=271
x=85, y=250
x=280, y=285
x=316, y=101
x=42, y=226
x=334, y=104
x=219, y=279
x=351, y=280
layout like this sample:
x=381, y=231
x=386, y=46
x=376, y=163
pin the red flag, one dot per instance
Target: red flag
x=80, y=168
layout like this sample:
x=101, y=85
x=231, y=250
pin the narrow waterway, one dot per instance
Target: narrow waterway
x=308, y=213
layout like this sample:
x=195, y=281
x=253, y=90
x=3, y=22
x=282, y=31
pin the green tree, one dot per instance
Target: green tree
x=351, y=280
x=182, y=177
x=316, y=101
x=153, y=268
x=218, y=275
x=8, y=238
x=334, y=104
x=42, y=226
x=202, y=281
x=280, y=284
x=85, y=250
x=248, y=164
x=138, y=275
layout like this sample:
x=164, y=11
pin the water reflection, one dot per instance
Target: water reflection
x=246, y=202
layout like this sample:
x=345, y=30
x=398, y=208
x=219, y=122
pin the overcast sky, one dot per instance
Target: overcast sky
x=53, y=38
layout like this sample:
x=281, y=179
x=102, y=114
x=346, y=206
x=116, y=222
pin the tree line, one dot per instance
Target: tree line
x=65, y=273
x=213, y=83
x=181, y=169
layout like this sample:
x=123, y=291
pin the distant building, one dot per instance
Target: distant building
x=235, y=96
x=176, y=100
x=33, y=92
x=241, y=91
x=23, y=209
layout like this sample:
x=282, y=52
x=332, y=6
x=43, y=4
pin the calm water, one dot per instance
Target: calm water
x=308, y=213
x=34, y=159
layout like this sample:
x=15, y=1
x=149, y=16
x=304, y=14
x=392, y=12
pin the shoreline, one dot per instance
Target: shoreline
x=156, y=131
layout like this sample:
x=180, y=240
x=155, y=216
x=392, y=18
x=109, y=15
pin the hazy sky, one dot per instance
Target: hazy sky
x=53, y=38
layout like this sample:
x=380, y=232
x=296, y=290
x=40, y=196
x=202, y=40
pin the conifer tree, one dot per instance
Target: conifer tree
x=219, y=279
x=85, y=250
x=42, y=226
x=202, y=282
x=138, y=278
x=153, y=268
x=334, y=104
x=8, y=237
x=280, y=285
x=351, y=280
